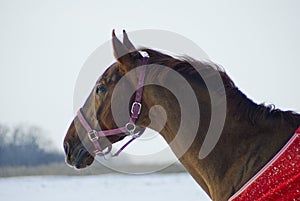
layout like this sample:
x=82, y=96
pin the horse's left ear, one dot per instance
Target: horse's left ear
x=125, y=53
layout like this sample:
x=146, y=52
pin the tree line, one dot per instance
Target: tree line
x=26, y=146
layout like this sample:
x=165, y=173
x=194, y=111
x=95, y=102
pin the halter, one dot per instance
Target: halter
x=129, y=128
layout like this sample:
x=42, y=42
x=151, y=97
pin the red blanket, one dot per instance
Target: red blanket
x=279, y=180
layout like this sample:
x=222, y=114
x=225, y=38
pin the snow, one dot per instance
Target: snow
x=113, y=187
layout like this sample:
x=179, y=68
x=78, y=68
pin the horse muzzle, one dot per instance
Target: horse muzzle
x=77, y=157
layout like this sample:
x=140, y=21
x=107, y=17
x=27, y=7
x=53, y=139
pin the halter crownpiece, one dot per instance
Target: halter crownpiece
x=129, y=128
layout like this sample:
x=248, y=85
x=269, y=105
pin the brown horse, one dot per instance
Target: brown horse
x=252, y=134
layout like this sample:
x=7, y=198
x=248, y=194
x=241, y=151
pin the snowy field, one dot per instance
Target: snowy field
x=152, y=187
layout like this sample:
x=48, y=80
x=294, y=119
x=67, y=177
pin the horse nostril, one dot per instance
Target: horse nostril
x=82, y=153
x=67, y=148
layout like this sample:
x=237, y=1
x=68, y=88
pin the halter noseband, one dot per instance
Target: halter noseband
x=129, y=128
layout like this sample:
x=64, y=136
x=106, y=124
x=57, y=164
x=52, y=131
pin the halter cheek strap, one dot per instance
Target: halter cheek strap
x=129, y=128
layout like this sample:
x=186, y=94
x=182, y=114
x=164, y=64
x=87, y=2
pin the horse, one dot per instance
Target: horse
x=252, y=133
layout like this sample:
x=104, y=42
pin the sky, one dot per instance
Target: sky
x=44, y=45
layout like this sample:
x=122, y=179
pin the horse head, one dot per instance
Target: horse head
x=97, y=111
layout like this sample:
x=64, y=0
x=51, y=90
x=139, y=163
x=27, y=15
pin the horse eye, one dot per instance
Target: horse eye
x=100, y=89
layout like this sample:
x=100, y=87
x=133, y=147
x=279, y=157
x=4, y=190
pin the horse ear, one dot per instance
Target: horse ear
x=120, y=50
x=127, y=42
x=125, y=53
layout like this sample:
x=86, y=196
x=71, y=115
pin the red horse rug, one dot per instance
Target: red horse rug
x=279, y=180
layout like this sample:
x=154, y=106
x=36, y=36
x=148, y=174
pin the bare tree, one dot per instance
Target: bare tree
x=20, y=146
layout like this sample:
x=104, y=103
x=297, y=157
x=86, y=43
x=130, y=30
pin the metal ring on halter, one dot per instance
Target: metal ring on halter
x=137, y=135
x=130, y=128
x=103, y=152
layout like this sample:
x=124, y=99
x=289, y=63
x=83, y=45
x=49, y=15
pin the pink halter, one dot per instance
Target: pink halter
x=129, y=128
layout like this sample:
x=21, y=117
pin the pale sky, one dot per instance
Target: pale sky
x=45, y=43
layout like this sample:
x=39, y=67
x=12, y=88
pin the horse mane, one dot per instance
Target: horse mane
x=237, y=101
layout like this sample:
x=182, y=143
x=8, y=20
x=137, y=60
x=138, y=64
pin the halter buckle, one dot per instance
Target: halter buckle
x=134, y=105
x=92, y=135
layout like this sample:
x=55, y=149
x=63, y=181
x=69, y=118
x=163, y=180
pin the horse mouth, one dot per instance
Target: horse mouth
x=83, y=159
x=80, y=158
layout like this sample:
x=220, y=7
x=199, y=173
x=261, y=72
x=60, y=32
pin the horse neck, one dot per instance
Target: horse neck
x=247, y=142
x=158, y=96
